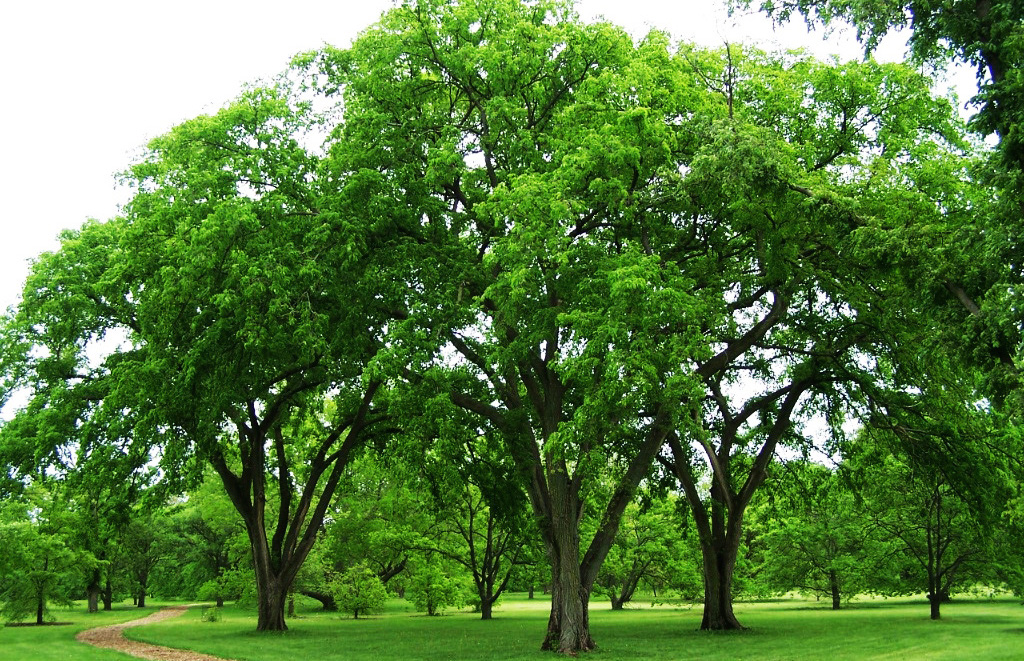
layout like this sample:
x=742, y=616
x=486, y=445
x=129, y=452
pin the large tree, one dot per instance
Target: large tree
x=514, y=147
x=228, y=319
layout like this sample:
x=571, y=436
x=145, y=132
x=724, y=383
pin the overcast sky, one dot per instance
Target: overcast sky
x=86, y=84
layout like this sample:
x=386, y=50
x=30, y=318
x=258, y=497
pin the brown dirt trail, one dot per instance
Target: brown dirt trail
x=112, y=637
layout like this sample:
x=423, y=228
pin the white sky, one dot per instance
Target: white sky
x=86, y=84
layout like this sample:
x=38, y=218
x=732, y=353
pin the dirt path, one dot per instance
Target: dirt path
x=112, y=637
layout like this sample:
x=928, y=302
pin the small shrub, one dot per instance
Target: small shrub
x=210, y=614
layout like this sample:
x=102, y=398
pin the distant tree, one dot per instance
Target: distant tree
x=358, y=590
x=646, y=549
x=39, y=565
x=817, y=539
x=435, y=585
x=944, y=544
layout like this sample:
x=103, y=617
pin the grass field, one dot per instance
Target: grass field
x=49, y=643
x=784, y=629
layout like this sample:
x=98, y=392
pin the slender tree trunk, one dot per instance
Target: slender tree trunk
x=220, y=601
x=291, y=604
x=833, y=582
x=108, y=595
x=40, y=607
x=93, y=592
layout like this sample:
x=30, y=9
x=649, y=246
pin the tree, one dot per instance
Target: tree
x=359, y=589
x=436, y=585
x=494, y=148
x=816, y=537
x=647, y=548
x=39, y=565
x=244, y=308
x=946, y=545
x=776, y=191
x=207, y=548
x=141, y=548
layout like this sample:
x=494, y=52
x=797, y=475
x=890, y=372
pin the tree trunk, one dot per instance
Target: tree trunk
x=935, y=601
x=569, y=622
x=93, y=592
x=291, y=604
x=486, y=607
x=529, y=593
x=617, y=603
x=833, y=582
x=142, y=599
x=40, y=607
x=108, y=595
x=271, y=597
x=220, y=601
x=327, y=601
x=719, y=563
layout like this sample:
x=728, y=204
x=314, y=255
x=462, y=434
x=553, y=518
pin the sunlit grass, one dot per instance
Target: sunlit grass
x=783, y=629
x=49, y=643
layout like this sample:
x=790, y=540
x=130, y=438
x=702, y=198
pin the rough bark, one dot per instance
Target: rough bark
x=719, y=564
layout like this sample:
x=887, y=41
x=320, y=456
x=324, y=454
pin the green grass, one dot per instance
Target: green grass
x=783, y=629
x=49, y=643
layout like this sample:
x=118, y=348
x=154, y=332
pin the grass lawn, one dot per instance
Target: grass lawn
x=48, y=643
x=785, y=629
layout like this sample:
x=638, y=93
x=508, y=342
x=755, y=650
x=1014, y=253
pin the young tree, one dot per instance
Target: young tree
x=359, y=590
x=817, y=539
x=647, y=547
x=40, y=566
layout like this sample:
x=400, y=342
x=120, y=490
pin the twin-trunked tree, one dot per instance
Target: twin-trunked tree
x=591, y=247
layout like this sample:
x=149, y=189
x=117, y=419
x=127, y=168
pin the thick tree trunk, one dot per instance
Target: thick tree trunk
x=569, y=622
x=617, y=603
x=719, y=563
x=142, y=599
x=833, y=582
x=486, y=608
x=272, y=597
x=220, y=602
x=935, y=601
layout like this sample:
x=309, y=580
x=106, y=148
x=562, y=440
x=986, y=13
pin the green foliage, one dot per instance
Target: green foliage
x=435, y=586
x=359, y=590
x=41, y=567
